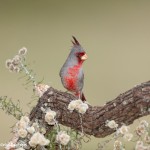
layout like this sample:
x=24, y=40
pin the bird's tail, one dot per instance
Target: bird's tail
x=83, y=97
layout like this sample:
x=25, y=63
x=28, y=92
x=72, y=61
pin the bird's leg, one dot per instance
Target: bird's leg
x=78, y=95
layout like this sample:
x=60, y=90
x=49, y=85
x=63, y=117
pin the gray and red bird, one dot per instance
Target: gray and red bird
x=71, y=73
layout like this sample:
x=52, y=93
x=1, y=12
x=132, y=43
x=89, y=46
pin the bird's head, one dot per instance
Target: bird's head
x=78, y=51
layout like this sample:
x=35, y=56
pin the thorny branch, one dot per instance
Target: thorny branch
x=126, y=108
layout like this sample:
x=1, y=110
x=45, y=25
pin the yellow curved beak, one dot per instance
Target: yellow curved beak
x=84, y=57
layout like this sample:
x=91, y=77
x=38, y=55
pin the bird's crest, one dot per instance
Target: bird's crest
x=75, y=41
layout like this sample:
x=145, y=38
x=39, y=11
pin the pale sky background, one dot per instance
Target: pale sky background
x=114, y=33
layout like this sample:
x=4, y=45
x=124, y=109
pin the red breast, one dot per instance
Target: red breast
x=72, y=78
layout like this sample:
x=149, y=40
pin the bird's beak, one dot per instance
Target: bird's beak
x=84, y=57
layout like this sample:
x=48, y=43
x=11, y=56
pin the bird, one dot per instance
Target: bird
x=71, y=73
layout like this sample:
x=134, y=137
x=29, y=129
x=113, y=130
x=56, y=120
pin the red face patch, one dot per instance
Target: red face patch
x=80, y=54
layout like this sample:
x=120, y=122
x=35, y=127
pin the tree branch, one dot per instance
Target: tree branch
x=126, y=108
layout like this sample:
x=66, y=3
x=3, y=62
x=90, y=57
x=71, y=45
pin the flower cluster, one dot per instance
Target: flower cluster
x=141, y=129
x=50, y=117
x=111, y=124
x=10, y=145
x=128, y=136
x=78, y=105
x=38, y=139
x=62, y=138
x=147, y=138
x=14, y=64
x=124, y=131
x=20, y=131
x=25, y=130
x=18, y=64
x=21, y=126
x=120, y=132
x=40, y=89
x=140, y=146
x=118, y=145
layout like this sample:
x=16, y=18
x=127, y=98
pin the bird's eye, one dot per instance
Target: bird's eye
x=77, y=54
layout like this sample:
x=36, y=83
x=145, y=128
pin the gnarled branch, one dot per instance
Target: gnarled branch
x=127, y=107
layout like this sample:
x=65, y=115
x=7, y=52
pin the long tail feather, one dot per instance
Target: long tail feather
x=83, y=97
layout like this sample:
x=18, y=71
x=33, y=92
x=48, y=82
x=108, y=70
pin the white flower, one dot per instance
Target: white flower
x=43, y=109
x=128, y=136
x=16, y=69
x=45, y=104
x=21, y=125
x=41, y=89
x=50, y=117
x=31, y=130
x=25, y=119
x=139, y=143
x=15, y=137
x=111, y=124
x=117, y=145
x=123, y=129
x=78, y=105
x=36, y=126
x=10, y=145
x=22, y=133
x=140, y=146
x=38, y=139
x=12, y=64
x=147, y=138
x=62, y=138
x=144, y=122
x=22, y=51
x=16, y=60
x=140, y=129
x=11, y=68
x=72, y=105
x=43, y=130
x=8, y=63
x=20, y=148
x=82, y=108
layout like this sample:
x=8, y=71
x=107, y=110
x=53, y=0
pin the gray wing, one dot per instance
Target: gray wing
x=62, y=71
x=81, y=80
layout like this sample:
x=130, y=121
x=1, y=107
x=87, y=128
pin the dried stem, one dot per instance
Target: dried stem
x=28, y=73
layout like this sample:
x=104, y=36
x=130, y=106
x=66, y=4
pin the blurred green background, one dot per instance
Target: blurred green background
x=114, y=33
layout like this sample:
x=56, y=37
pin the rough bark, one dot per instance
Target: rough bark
x=126, y=108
